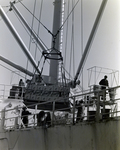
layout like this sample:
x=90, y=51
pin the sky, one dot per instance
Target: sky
x=105, y=49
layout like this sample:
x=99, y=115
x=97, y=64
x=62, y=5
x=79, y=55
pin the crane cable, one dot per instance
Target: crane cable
x=40, y=13
x=73, y=40
x=23, y=25
x=11, y=70
x=66, y=21
x=37, y=46
x=31, y=33
x=38, y=21
x=66, y=35
x=66, y=44
x=81, y=40
x=37, y=35
x=68, y=16
x=72, y=45
x=63, y=22
x=36, y=18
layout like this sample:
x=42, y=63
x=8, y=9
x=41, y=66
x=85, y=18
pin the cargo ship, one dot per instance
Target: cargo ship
x=54, y=112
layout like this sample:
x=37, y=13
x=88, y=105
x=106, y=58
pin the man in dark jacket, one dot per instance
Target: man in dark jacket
x=24, y=116
x=104, y=83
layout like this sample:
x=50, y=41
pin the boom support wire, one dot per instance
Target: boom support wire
x=31, y=35
x=36, y=18
x=90, y=40
x=18, y=39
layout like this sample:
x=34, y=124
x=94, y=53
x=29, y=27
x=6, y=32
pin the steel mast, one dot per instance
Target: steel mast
x=56, y=40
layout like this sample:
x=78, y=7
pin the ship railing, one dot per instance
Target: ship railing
x=4, y=91
x=95, y=108
x=11, y=91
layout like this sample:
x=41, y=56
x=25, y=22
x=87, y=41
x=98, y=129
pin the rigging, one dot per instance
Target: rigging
x=11, y=70
x=31, y=34
x=36, y=18
x=69, y=15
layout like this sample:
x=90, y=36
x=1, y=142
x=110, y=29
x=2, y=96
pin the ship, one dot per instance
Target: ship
x=58, y=113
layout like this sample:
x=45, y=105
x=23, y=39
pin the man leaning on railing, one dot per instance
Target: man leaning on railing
x=24, y=116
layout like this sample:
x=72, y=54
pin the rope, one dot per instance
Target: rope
x=67, y=73
x=73, y=41
x=72, y=45
x=81, y=38
x=36, y=18
x=37, y=47
x=39, y=23
x=66, y=35
x=21, y=23
x=68, y=16
x=40, y=13
x=70, y=57
x=11, y=70
x=32, y=23
x=43, y=65
x=31, y=33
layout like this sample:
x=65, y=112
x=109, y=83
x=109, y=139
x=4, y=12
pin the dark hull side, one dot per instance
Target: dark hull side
x=104, y=135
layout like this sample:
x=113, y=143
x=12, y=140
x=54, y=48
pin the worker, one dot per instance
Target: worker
x=41, y=118
x=79, y=107
x=104, y=83
x=21, y=88
x=21, y=83
x=24, y=116
x=48, y=119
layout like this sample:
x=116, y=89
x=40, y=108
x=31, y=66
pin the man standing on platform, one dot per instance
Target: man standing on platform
x=104, y=83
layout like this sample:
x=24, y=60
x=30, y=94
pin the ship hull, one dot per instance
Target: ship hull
x=85, y=136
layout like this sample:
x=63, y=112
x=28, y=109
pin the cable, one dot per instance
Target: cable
x=11, y=70
x=73, y=41
x=22, y=23
x=72, y=45
x=66, y=36
x=37, y=19
x=81, y=38
x=30, y=37
x=34, y=32
x=40, y=13
x=68, y=16
x=31, y=31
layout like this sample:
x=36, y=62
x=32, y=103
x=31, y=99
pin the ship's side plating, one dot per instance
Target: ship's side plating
x=89, y=136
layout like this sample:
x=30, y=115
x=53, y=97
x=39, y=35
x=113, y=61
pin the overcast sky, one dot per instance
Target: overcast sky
x=105, y=49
